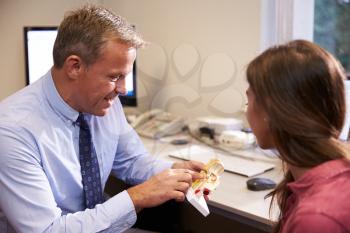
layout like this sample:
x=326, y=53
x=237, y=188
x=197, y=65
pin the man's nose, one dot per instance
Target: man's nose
x=121, y=87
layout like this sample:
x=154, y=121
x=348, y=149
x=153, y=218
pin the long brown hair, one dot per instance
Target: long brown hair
x=300, y=86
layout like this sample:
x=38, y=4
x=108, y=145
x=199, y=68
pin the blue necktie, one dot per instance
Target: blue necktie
x=90, y=170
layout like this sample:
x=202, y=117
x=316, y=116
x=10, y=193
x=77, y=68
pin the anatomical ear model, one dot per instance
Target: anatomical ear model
x=211, y=172
x=201, y=187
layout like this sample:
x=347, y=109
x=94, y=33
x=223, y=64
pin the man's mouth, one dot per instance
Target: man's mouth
x=109, y=99
x=111, y=96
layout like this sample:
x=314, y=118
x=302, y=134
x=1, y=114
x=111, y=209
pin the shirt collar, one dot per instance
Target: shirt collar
x=64, y=111
x=320, y=173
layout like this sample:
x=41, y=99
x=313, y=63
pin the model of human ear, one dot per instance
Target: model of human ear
x=202, y=187
x=212, y=173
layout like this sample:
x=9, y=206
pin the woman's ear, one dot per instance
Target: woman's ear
x=73, y=66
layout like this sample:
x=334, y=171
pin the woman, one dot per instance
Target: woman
x=296, y=104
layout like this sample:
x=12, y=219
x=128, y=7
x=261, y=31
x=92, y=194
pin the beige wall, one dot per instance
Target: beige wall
x=193, y=66
x=14, y=15
x=216, y=29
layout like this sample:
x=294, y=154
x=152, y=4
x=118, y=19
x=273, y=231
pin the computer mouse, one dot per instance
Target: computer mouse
x=258, y=184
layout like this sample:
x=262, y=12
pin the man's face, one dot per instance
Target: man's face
x=258, y=121
x=103, y=80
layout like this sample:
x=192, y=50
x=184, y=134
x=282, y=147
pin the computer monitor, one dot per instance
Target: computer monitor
x=130, y=99
x=38, y=44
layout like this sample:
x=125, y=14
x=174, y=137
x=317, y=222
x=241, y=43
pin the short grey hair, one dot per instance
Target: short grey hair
x=85, y=31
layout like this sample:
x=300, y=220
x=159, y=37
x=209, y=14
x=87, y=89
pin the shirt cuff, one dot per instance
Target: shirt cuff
x=121, y=211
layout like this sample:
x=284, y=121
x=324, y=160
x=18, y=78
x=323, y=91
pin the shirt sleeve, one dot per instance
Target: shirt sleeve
x=132, y=162
x=28, y=202
x=314, y=223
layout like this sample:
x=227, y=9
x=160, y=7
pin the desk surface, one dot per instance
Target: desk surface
x=232, y=195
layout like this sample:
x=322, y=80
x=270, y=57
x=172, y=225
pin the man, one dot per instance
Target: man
x=61, y=137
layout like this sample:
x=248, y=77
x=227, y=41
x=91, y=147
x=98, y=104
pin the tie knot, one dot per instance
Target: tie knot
x=82, y=122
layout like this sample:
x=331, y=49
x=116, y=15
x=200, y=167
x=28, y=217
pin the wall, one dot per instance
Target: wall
x=14, y=15
x=199, y=49
x=194, y=64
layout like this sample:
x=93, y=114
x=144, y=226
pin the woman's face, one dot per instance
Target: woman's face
x=258, y=121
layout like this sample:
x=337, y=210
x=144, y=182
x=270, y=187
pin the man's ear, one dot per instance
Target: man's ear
x=73, y=66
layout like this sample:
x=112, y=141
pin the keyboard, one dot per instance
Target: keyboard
x=235, y=164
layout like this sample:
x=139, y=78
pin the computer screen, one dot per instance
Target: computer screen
x=38, y=44
x=130, y=99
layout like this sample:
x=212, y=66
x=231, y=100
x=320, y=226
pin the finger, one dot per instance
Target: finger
x=186, y=177
x=196, y=175
x=183, y=175
x=196, y=165
x=189, y=171
x=179, y=196
x=182, y=186
x=178, y=165
x=182, y=170
x=206, y=197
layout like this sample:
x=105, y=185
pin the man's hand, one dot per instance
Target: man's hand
x=194, y=166
x=167, y=185
x=191, y=165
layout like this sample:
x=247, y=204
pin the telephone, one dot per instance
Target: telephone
x=156, y=124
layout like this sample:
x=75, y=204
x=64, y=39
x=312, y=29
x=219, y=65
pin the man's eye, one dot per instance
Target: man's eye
x=115, y=78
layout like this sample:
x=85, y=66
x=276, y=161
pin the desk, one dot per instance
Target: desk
x=232, y=199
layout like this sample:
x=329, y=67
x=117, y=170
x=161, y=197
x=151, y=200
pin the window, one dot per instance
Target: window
x=285, y=20
x=332, y=29
x=326, y=22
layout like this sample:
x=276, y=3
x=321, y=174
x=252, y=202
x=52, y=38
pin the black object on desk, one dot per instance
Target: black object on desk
x=205, y=131
x=179, y=142
x=259, y=184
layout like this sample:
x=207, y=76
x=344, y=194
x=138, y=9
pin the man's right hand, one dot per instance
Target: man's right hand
x=167, y=185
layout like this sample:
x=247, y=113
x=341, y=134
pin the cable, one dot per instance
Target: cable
x=258, y=155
